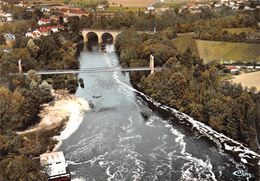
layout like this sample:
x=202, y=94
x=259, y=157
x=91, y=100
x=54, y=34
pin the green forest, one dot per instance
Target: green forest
x=21, y=99
x=191, y=86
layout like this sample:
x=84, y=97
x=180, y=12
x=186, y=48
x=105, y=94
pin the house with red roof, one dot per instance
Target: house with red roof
x=44, y=31
x=44, y=21
x=233, y=69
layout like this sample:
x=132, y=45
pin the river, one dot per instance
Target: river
x=115, y=142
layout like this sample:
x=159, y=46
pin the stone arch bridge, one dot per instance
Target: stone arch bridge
x=99, y=35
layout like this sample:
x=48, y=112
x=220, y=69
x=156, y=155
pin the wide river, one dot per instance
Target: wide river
x=115, y=142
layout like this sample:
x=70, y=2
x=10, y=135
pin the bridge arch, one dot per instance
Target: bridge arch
x=107, y=38
x=99, y=33
x=92, y=40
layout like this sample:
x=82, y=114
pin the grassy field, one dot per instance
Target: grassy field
x=213, y=50
x=172, y=3
x=184, y=42
x=132, y=3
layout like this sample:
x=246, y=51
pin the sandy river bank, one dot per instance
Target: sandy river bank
x=66, y=109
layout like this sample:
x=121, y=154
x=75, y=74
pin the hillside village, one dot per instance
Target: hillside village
x=51, y=18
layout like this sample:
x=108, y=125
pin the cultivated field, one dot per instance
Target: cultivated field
x=249, y=79
x=132, y=3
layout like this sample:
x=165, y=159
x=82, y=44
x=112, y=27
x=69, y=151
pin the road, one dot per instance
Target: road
x=94, y=70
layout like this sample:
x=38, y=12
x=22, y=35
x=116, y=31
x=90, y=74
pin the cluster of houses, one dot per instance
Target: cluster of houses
x=46, y=26
x=216, y=5
x=44, y=31
x=239, y=4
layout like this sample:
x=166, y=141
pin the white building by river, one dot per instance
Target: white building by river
x=55, y=165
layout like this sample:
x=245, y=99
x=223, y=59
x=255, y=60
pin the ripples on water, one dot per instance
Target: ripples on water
x=114, y=142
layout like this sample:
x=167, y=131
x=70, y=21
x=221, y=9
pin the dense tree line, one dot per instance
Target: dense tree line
x=224, y=36
x=191, y=86
x=47, y=53
x=19, y=109
x=185, y=22
x=21, y=99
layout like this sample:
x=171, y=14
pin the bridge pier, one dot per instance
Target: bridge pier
x=151, y=64
x=20, y=67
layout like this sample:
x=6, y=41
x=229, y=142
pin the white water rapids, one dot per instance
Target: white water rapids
x=115, y=142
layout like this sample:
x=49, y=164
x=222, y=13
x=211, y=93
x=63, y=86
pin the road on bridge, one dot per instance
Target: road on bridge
x=94, y=70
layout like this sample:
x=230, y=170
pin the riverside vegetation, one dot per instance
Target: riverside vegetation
x=21, y=99
x=191, y=86
x=187, y=84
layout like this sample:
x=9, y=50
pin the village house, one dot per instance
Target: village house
x=35, y=34
x=45, y=10
x=163, y=9
x=150, y=8
x=29, y=8
x=9, y=17
x=73, y=12
x=233, y=69
x=44, y=31
x=56, y=166
x=44, y=21
x=101, y=6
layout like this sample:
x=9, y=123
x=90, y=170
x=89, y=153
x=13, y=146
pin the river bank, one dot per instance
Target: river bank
x=243, y=154
x=116, y=141
x=61, y=117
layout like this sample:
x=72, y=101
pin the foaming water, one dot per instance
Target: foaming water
x=114, y=142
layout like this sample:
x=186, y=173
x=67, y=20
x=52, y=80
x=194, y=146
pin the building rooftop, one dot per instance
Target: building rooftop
x=54, y=163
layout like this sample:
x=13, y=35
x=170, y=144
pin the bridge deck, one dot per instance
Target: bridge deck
x=93, y=70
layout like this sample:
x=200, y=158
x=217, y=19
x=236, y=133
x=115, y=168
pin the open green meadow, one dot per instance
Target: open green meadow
x=171, y=3
x=214, y=50
x=182, y=43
